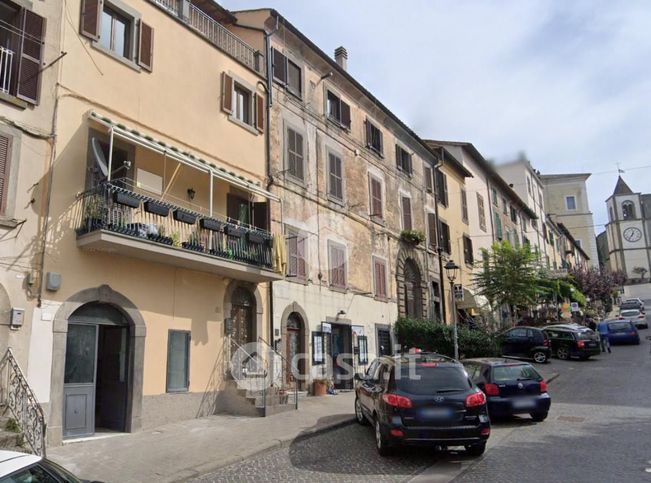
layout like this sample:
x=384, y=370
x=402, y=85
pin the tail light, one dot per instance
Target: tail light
x=398, y=433
x=475, y=399
x=543, y=387
x=580, y=344
x=632, y=333
x=485, y=431
x=397, y=401
x=491, y=390
x=547, y=342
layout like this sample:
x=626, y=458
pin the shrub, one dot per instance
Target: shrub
x=435, y=337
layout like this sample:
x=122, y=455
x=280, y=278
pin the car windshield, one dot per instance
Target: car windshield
x=619, y=326
x=520, y=372
x=629, y=313
x=426, y=379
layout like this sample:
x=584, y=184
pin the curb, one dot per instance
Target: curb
x=553, y=377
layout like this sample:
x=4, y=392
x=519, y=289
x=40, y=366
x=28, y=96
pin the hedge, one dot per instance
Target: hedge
x=435, y=337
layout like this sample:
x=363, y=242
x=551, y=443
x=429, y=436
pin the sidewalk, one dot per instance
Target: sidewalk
x=185, y=449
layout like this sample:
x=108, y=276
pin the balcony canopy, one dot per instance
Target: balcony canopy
x=181, y=155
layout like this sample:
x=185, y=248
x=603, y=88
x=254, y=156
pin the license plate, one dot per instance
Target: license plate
x=436, y=413
x=523, y=403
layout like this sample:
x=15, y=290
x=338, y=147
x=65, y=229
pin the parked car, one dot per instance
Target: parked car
x=511, y=387
x=633, y=304
x=619, y=331
x=635, y=316
x=20, y=467
x=441, y=406
x=525, y=342
x=572, y=340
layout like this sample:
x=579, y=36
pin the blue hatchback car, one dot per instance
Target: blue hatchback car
x=619, y=331
x=511, y=387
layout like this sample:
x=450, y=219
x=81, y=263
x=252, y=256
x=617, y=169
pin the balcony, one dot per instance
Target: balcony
x=119, y=220
x=198, y=20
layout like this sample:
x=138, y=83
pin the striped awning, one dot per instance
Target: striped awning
x=182, y=156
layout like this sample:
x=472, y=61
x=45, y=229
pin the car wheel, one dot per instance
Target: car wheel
x=563, y=353
x=381, y=442
x=538, y=416
x=476, y=449
x=539, y=357
x=359, y=413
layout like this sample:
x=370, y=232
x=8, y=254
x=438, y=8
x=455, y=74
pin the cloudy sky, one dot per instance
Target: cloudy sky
x=567, y=82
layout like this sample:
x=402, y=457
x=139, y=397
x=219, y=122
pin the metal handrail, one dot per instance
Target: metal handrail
x=265, y=371
x=22, y=402
x=291, y=364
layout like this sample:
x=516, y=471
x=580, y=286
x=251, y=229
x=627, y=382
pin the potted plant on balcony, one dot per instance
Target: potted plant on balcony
x=159, y=236
x=185, y=216
x=320, y=386
x=210, y=224
x=94, y=209
x=193, y=243
x=126, y=198
x=412, y=237
x=157, y=208
x=255, y=236
x=233, y=231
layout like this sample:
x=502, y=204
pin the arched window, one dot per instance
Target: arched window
x=628, y=210
x=413, y=290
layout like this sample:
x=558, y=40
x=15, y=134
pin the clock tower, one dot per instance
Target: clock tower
x=628, y=238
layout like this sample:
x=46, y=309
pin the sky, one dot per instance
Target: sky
x=566, y=82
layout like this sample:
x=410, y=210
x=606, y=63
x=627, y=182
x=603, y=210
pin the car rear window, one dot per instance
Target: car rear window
x=586, y=335
x=615, y=326
x=629, y=313
x=515, y=373
x=425, y=379
x=629, y=305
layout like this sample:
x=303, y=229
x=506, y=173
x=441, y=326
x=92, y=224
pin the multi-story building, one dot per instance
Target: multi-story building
x=158, y=245
x=566, y=201
x=354, y=179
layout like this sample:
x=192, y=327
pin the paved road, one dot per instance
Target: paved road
x=597, y=431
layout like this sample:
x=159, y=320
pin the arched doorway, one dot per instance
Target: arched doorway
x=294, y=345
x=413, y=290
x=242, y=315
x=97, y=377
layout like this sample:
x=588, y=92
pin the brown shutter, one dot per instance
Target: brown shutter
x=345, y=115
x=368, y=133
x=398, y=158
x=146, y=46
x=91, y=15
x=30, y=56
x=260, y=211
x=431, y=228
x=406, y=214
x=5, y=159
x=375, y=192
x=428, y=179
x=227, y=93
x=279, y=66
x=259, y=112
x=292, y=254
x=300, y=252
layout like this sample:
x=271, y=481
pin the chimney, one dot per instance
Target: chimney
x=341, y=56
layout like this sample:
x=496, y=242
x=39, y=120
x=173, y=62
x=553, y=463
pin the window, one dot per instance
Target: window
x=21, y=40
x=507, y=235
x=242, y=104
x=380, y=278
x=505, y=206
x=436, y=301
x=444, y=237
x=335, y=177
x=441, y=187
x=579, y=243
x=31, y=474
x=516, y=239
x=403, y=160
x=405, y=204
x=318, y=348
x=115, y=33
x=514, y=215
x=544, y=230
x=337, y=110
x=375, y=195
x=287, y=73
x=494, y=197
x=529, y=185
x=337, y=259
x=628, y=210
x=482, y=212
x=374, y=138
x=498, y=227
x=294, y=153
x=5, y=160
x=464, y=206
x=468, y=256
x=384, y=342
x=429, y=181
x=362, y=342
x=178, y=361
x=296, y=254
x=540, y=199
x=431, y=230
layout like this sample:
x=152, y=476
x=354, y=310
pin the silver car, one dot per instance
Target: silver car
x=635, y=316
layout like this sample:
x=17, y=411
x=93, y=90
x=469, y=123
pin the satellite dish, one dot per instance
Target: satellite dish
x=98, y=154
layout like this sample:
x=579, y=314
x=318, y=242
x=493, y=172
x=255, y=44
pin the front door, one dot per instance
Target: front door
x=242, y=330
x=342, y=357
x=79, y=381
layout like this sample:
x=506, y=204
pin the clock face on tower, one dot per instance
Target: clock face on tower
x=632, y=234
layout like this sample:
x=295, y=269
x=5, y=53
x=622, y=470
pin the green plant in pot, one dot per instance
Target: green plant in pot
x=412, y=237
x=93, y=212
x=176, y=238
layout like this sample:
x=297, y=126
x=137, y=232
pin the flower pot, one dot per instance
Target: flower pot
x=185, y=217
x=233, y=231
x=319, y=388
x=192, y=246
x=255, y=237
x=210, y=224
x=126, y=199
x=157, y=208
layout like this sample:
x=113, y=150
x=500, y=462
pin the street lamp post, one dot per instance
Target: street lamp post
x=451, y=270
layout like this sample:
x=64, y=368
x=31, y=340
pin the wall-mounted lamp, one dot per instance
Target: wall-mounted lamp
x=191, y=193
x=341, y=312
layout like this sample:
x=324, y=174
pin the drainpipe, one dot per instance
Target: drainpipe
x=439, y=250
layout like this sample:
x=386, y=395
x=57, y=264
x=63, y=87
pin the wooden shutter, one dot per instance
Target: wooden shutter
x=227, y=93
x=259, y=112
x=300, y=254
x=375, y=189
x=292, y=254
x=406, y=214
x=345, y=114
x=380, y=279
x=5, y=159
x=145, y=46
x=428, y=179
x=431, y=229
x=91, y=15
x=445, y=189
x=299, y=155
x=368, y=134
x=398, y=157
x=30, y=56
x=260, y=219
x=279, y=66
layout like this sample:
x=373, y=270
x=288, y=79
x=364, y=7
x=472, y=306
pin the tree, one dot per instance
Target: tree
x=510, y=277
x=641, y=271
x=594, y=282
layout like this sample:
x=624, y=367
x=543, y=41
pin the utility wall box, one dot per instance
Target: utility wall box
x=53, y=281
x=17, y=317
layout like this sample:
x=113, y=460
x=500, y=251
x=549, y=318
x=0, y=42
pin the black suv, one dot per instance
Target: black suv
x=573, y=340
x=525, y=342
x=423, y=399
x=511, y=387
